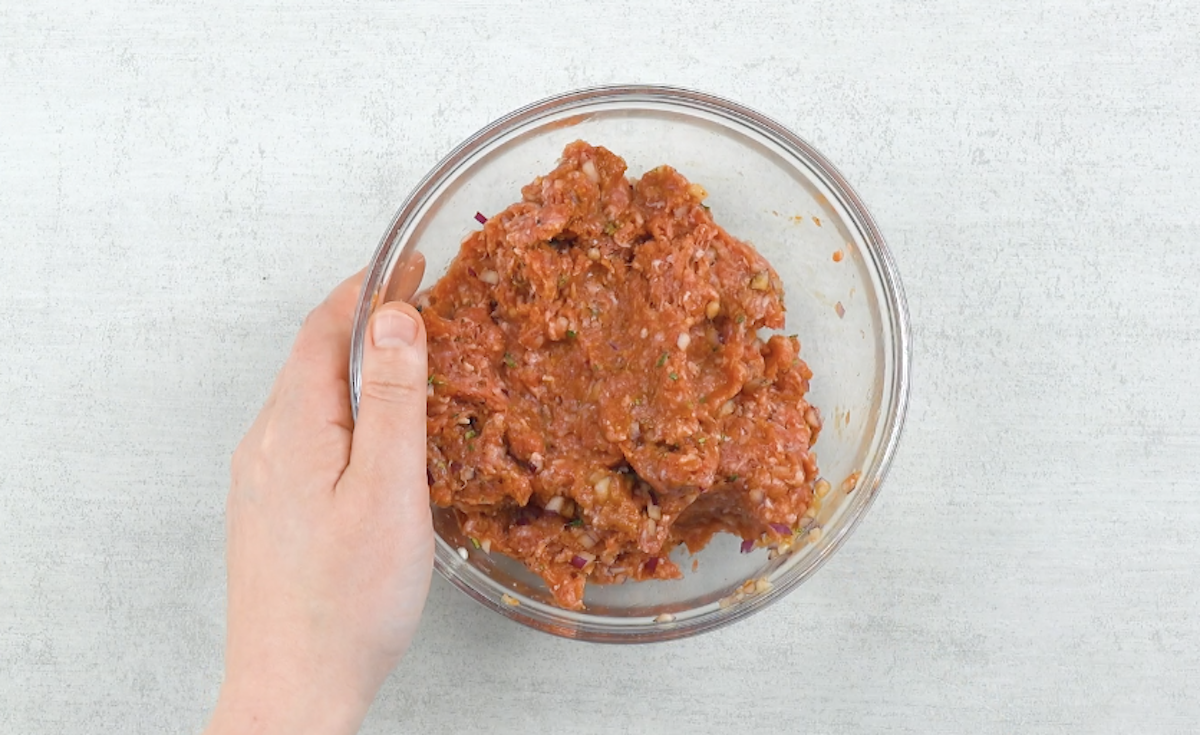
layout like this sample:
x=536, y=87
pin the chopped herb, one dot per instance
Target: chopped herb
x=706, y=207
x=741, y=318
x=674, y=376
x=430, y=381
x=732, y=478
x=509, y=360
x=471, y=434
x=704, y=399
x=470, y=446
x=611, y=228
x=570, y=334
x=576, y=523
x=701, y=440
x=562, y=281
x=475, y=542
x=662, y=360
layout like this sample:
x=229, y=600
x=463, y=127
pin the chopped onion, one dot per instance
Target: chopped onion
x=652, y=564
x=555, y=504
x=581, y=560
x=587, y=540
x=589, y=170
x=480, y=218
x=654, y=512
x=748, y=546
x=601, y=487
x=781, y=528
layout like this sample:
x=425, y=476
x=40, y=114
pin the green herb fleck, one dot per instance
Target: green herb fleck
x=701, y=440
x=471, y=434
x=704, y=399
x=570, y=334
x=475, y=542
x=430, y=381
x=706, y=207
x=576, y=523
x=741, y=318
x=509, y=360
x=562, y=280
x=732, y=478
x=470, y=446
x=611, y=228
x=674, y=376
x=662, y=360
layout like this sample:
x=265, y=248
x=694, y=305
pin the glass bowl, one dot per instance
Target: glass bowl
x=844, y=299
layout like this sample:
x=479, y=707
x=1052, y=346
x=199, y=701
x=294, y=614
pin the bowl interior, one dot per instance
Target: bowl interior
x=841, y=300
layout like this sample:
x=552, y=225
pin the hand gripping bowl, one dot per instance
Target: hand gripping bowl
x=844, y=300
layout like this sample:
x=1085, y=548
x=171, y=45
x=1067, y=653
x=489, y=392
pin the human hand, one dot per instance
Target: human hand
x=330, y=539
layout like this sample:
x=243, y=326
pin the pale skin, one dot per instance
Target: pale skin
x=330, y=541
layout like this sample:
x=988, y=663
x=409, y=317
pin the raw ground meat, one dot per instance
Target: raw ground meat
x=599, y=393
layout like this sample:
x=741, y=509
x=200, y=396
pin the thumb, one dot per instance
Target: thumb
x=388, y=447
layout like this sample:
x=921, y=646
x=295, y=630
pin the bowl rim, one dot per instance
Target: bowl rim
x=887, y=273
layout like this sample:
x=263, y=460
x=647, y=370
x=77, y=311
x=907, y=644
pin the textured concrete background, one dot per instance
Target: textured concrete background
x=180, y=182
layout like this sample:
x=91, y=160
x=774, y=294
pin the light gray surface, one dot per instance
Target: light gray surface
x=180, y=182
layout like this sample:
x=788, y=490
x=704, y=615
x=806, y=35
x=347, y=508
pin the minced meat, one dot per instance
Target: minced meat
x=599, y=393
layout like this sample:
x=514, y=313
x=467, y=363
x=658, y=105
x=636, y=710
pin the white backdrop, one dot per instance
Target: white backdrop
x=180, y=182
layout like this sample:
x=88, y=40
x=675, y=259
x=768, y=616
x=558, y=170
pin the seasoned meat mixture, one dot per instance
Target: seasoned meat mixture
x=598, y=390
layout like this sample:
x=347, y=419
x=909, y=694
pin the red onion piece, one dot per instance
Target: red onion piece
x=748, y=546
x=578, y=562
x=652, y=564
x=781, y=529
x=480, y=218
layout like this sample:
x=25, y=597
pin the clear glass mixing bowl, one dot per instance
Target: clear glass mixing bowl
x=844, y=299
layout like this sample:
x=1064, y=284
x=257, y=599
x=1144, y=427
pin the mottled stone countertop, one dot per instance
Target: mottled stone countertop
x=180, y=183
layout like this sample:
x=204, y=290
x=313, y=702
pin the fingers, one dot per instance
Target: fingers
x=388, y=450
x=313, y=390
x=406, y=278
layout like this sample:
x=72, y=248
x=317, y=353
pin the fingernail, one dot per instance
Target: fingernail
x=393, y=329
